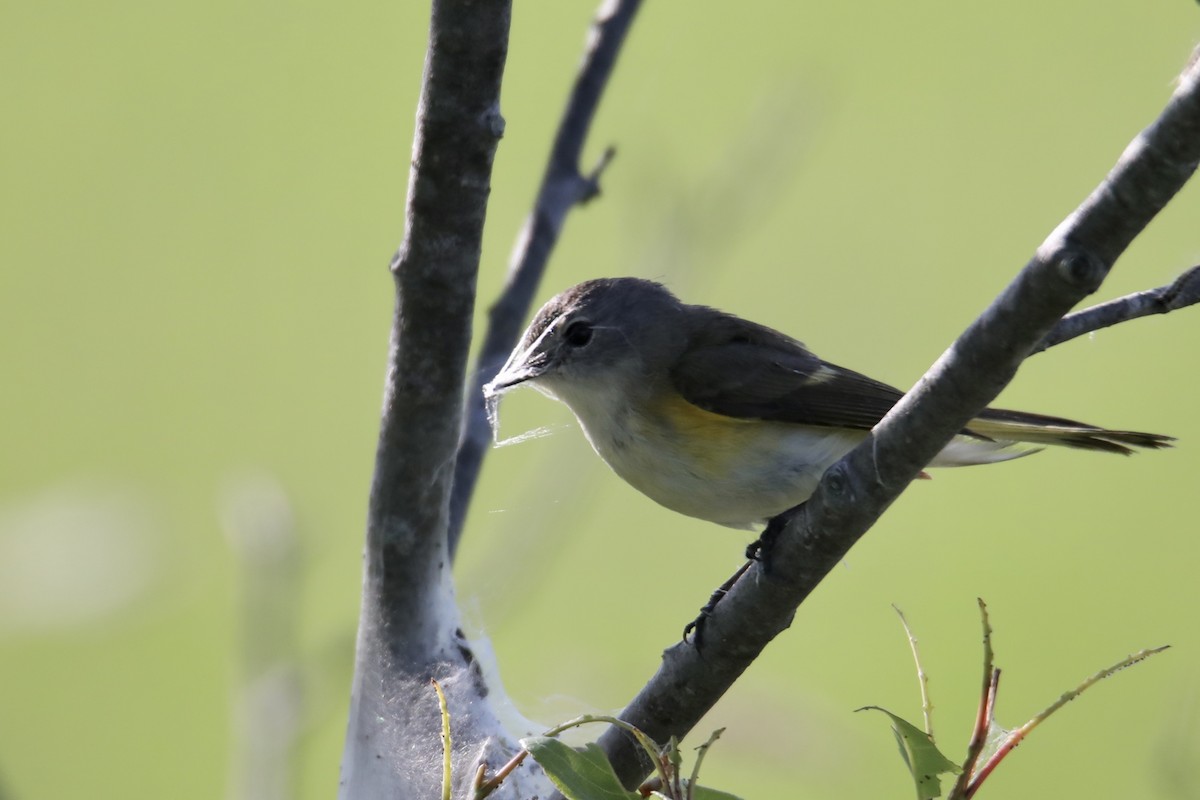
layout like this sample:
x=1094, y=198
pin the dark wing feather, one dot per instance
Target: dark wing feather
x=741, y=369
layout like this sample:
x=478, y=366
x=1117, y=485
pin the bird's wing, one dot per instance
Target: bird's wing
x=741, y=369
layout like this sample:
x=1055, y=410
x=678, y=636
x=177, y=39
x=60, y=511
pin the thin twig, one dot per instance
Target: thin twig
x=1180, y=293
x=447, y=742
x=987, y=705
x=1015, y=737
x=922, y=678
x=563, y=187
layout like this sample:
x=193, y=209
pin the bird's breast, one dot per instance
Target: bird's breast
x=732, y=471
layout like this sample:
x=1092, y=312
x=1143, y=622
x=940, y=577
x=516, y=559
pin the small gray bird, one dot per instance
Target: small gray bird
x=726, y=420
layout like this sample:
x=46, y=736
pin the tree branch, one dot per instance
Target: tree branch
x=1180, y=293
x=853, y=493
x=563, y=187
x=408, y=628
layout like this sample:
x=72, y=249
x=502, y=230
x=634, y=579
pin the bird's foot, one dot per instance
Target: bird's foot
x=760, y=549
x=693, y=632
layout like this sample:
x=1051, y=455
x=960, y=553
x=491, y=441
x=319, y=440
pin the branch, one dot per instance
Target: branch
x=1069, y=265
x=563, y=187
x=408, y=628
x=1182, y=292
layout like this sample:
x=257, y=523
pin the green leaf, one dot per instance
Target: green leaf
x=579, y=774
x=921, y=755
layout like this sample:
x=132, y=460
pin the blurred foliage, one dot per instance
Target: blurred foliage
x=200, y=200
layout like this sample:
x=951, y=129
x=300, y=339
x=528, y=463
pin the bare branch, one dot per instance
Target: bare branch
x=853, y=493
x=563, y=187
x=408, y=628
x=1182, y=292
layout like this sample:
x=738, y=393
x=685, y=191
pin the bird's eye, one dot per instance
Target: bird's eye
x=578, y=333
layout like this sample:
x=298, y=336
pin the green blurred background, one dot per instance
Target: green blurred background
x=199, y=204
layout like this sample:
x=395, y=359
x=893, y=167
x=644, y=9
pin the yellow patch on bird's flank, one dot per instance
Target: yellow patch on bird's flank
x=713, y=441
x=685, y=415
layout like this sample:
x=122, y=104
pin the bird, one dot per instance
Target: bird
x=726, y=420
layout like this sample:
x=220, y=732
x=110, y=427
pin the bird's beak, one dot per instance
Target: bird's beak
x=525, y=364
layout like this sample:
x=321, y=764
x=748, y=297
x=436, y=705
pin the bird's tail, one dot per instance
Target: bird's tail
x=1018, y=426
x=997, y=435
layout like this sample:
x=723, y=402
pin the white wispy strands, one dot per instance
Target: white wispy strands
x=536, y=433
x=492, y=403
